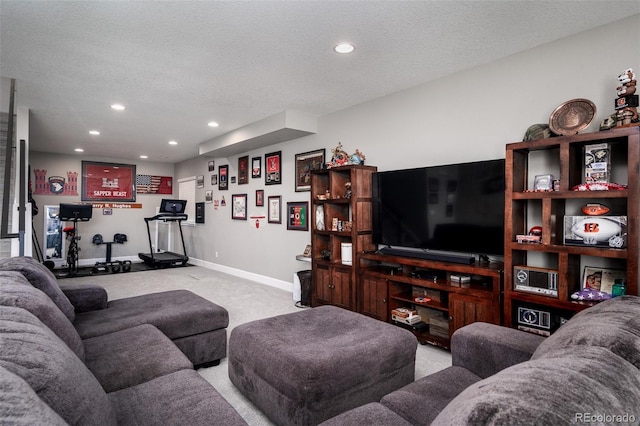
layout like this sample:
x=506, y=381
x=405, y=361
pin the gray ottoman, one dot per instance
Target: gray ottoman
x=306, y=367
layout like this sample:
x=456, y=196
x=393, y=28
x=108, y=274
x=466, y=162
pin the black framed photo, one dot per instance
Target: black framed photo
x=239, y=206
x=243, y=170
x=274, y=209
x=108, y=182
x=256, y=167
x=223, y=178
x=211, y=165
x=259, y=197
x=298, y=216
x=304, y=164
x=273, y=166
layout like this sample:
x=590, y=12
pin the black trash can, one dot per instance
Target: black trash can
x=305, y=287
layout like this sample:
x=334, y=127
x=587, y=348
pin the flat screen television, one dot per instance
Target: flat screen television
x=453, y=208
x=173, y=206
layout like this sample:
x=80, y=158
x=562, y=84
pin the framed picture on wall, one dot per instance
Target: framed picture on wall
x=239, y=206
x=274, y=209
x=298, y=216
x=256, y=167
x=223, y=178
x=273, y=166
x=259, y=197
x=108, y=182
x=304, y=163
x=243, y=170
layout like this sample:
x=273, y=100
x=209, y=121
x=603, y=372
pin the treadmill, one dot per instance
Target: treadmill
x=170, y=211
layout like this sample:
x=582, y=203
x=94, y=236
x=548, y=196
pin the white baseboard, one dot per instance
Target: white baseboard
x=282, y=285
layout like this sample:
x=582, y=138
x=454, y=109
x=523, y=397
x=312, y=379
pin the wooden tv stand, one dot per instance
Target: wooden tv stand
x=389, y=282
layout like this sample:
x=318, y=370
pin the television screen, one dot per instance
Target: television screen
x=172, y=206
x=451, y=208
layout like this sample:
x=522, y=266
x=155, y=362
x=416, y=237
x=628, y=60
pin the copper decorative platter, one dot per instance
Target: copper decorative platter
x=572, y=116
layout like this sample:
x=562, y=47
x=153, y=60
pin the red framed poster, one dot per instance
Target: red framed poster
x=108, y=182
x=273, y=166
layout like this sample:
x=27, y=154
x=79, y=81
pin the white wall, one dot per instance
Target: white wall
x=122, y=221
x=464, y=117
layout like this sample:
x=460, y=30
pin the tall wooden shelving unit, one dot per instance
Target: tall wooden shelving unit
x=564, y=158
x=333, y=281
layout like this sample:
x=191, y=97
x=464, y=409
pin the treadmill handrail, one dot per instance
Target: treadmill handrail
x=167, y=217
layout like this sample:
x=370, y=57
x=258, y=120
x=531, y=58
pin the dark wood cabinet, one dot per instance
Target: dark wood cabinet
x=341, y=229
x=565, y=158
x=390, y=282
x=374, y=300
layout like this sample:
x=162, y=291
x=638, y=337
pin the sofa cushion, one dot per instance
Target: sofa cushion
x=372, y=413
x=567, y=386
x=613, y=324
x=85, y=297
x=133, y=356
x=438, y=389
x=180, y=398
x=177, y=313
x=19, y=404
x=41, y=278
x=33, y=352
x=15, y=290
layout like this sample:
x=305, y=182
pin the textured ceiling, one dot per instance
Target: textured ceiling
x=177, y=65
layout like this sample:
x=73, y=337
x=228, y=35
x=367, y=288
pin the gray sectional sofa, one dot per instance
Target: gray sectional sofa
x=128, y=361
x=586, y=372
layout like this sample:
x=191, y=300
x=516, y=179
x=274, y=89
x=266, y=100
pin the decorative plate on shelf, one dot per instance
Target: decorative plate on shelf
x=572, y=116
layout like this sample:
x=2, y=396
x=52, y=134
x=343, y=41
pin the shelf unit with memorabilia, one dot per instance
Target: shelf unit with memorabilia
x=546, y=282
x=341, y=229
x=445, y=295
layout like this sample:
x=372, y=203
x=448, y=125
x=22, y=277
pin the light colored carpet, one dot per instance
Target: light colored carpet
x=246, y=301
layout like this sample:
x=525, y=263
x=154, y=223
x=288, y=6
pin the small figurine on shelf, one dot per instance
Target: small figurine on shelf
x=627, y=103
x=339, y=158
x=357, y=157
x=347, y=190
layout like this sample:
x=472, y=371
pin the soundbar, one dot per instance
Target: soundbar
x=427, y=255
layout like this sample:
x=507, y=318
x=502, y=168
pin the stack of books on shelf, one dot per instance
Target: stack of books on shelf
x=405, y=316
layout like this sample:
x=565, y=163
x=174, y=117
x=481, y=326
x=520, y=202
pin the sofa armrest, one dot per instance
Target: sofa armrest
x=85, y=297
x=484, y=349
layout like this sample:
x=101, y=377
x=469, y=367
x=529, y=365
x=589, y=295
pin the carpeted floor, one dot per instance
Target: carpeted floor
x=246, y=301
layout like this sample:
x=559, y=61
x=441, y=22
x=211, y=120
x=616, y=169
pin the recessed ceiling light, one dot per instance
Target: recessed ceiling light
x=173, y=143
x=344, y=48
x=79, y=150
x=94, y=132
x=144, y=156
x=212, y=124
x=118, y=107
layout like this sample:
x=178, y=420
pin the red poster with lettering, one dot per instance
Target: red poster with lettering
x=108, y=182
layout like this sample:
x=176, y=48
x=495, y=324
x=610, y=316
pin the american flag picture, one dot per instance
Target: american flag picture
x=149, y=184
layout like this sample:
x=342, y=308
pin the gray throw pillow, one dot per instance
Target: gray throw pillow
x=613, y=324
x=19, y=404
x=31, y=351
x=42, y=279
x=568, y=386
x=15, y=290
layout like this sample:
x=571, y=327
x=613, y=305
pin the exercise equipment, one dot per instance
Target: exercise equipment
x=74, y=213
x=172, y=211
x=113, y=266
